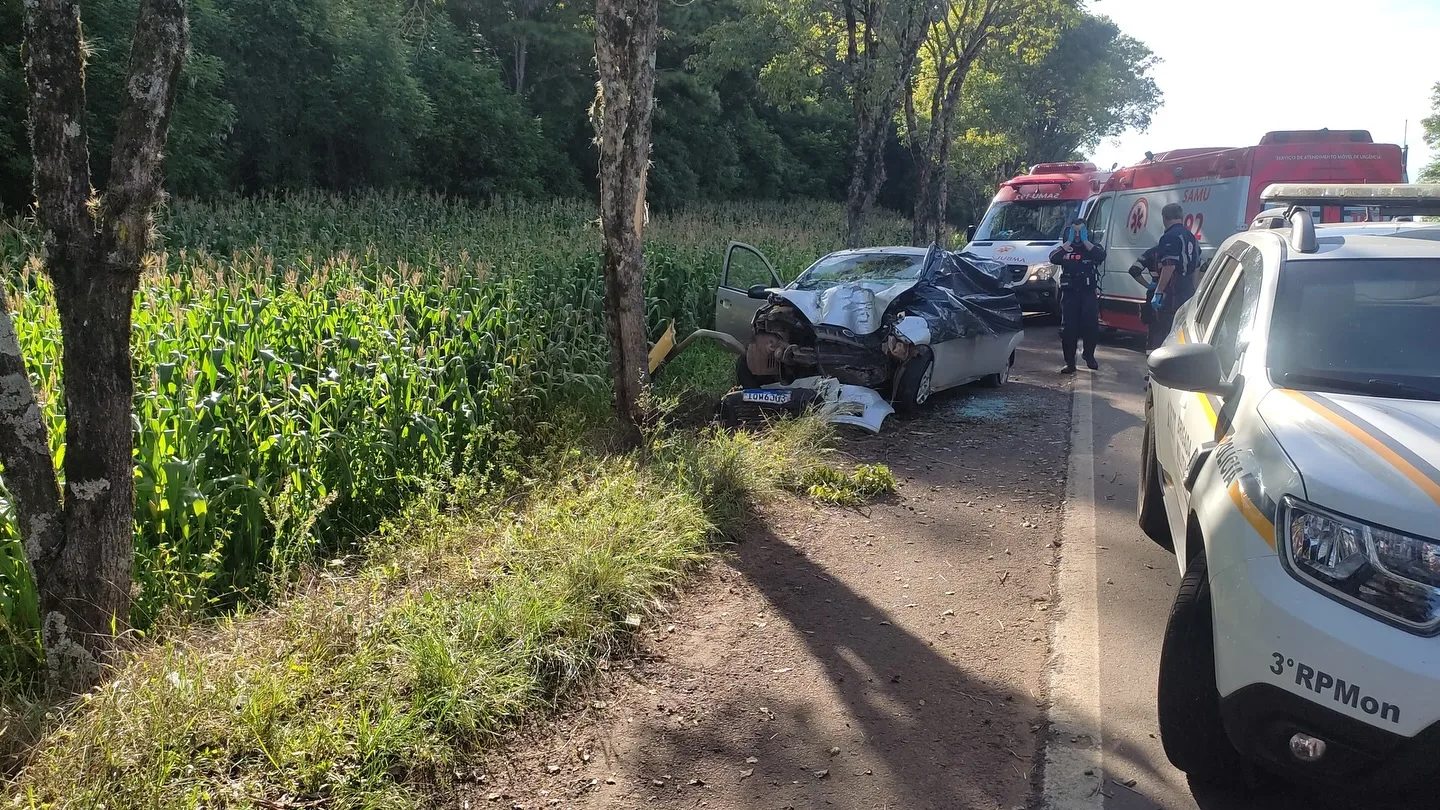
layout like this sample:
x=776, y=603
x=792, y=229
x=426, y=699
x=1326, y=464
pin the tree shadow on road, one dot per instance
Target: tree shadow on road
x=934, y=734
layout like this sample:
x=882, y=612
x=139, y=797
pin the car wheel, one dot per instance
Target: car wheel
x=1150, y=500
x=999, y=378
x=746, y=378
x=916, y=380
x=1188, y=701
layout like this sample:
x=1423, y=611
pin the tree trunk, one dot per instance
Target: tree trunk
x=81, y=551
x=855, y=202
x=88, y=580
x=625, y=37
x=875, y=113
x=957, y=43
x=522, y=54
x=919, y=158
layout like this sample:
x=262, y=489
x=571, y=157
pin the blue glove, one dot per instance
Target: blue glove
x=1152, y=285
x=1158, y=301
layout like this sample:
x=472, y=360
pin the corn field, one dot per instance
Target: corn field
x=305, y=364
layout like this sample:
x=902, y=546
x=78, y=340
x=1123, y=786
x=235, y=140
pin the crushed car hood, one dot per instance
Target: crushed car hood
x=858, y=306
x=1374, y=458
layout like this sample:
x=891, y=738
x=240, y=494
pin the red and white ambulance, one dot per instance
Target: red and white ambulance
x=1025, y=221
x=1219, y=188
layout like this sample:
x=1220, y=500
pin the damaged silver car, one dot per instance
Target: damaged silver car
x=905, y=321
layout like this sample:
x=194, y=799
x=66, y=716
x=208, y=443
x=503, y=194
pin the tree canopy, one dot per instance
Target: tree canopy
x=485, y=98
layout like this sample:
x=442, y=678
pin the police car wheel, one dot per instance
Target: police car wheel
x=999, y=378
x=1187, y=699
x=916, y=376
x=1150, y=500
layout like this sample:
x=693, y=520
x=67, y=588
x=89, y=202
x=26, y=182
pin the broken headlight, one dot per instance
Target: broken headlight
x=1393, y=576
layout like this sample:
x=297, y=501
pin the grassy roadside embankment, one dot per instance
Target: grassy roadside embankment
x=369, y=688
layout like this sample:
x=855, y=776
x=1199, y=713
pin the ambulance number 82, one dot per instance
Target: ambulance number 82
x=1194, y=223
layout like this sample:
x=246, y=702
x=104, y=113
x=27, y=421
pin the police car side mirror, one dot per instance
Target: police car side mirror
x=969, y=233
x=759, y=292
x=1187, y=367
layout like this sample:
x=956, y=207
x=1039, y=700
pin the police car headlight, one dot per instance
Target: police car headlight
x=1391, y=575
x=1043, y=272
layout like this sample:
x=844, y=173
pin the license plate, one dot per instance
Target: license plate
x=767, y=397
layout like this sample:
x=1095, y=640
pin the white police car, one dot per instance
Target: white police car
x=1292, y=461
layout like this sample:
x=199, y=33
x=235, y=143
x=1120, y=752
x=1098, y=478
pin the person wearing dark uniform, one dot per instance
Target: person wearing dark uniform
x=1079, y=261
x=1177, y=257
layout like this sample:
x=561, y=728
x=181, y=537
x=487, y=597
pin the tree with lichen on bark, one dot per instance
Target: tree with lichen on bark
x=962, y=33
x=625, y=35
x=80, y=546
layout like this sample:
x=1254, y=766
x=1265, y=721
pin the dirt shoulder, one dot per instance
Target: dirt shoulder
x=885, y=657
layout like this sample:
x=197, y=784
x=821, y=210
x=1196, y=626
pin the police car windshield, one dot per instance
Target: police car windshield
x=1027, y=220
x=853, y=267
x=1358, y=326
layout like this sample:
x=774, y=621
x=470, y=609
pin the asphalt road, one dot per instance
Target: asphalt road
x=1118, y=599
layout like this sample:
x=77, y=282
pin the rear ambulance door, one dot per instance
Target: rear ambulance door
x=1222, y=318
x=745, y=267
x=1131, y=224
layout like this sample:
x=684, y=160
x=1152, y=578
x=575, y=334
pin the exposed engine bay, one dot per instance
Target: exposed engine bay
x=786, y=347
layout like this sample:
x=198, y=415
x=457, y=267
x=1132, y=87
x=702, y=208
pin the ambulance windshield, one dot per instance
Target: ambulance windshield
x=1042, y=220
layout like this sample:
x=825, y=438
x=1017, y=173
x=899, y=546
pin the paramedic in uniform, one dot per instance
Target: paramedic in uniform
x=1079, y=261
x=1177, y=257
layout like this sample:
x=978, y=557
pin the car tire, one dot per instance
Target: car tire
x=913, y=388
x=1187, y=699
x=1150, y=500
x=999, y=378
x=746, y=378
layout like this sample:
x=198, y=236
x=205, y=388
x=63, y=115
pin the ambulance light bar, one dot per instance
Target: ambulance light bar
x=1393, y=200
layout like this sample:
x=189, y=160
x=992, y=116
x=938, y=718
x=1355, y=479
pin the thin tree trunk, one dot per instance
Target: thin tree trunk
x=81, y=551
x=920, y=160
x=860, y=102
x=522, y=53
x=625, y=37
x=956, y=45
x=857, y=199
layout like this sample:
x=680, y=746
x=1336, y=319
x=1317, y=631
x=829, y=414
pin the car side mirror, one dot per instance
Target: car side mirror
x=1187, y=367
x=969, y=233
x=759, y=292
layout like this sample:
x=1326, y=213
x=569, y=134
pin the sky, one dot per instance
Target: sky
x=1233, y=70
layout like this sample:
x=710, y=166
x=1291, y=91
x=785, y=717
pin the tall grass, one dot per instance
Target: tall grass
x=375, y=689
x=307, y=364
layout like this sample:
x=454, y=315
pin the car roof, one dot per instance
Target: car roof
x=896, y=250
x=1373, y=228
x=1383, y=240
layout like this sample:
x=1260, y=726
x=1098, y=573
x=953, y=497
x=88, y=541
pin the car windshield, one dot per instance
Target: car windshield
x=1358, y=326
x=1035, y=221
x=852, y=267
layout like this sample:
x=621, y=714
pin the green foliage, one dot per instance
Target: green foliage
x=307, y=364
x=829, y=485
x=370, y=689
x=1052, y=100
x=487, y=98
x=479, y=98
x=1431, y=173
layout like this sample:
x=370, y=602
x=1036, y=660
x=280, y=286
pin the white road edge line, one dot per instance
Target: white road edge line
x=1074, y=755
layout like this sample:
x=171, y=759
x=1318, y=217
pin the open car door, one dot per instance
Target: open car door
x=745, y=267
